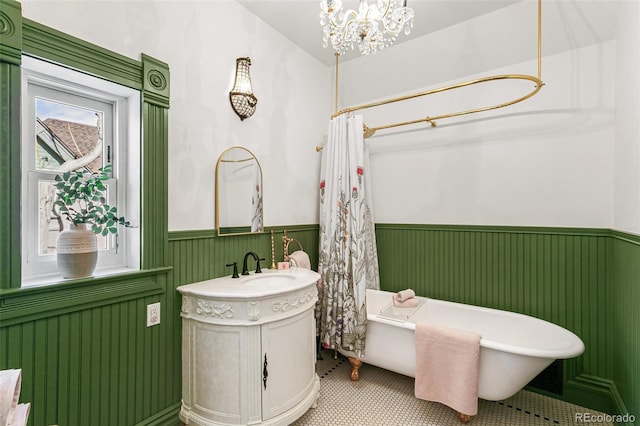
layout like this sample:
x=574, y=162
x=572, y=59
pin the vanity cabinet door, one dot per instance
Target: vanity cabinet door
x=220, y=379
x=288, y=347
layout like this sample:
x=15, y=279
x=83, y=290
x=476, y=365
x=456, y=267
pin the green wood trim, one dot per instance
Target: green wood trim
x=166, y=417
x=154, y=205
x=53, y=45
x=10, y=31
x=155, y=146
x=10, y=94
x=30, y=304
x=74, y=283
x=594, y=385
x=155, y=83
x=211, y=233
x=590, y=391
x=292, y=228
x=598, y=232
x=195, y=234
x=626, y=236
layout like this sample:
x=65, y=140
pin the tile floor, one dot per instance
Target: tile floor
x=384, y=398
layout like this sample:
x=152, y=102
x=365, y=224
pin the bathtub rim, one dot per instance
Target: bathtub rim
x=576, y=348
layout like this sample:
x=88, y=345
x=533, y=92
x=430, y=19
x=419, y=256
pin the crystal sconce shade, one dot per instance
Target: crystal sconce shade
x=372, y=27
x=242, y=99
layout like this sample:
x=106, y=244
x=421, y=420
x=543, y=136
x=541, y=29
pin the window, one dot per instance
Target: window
x=73, y=121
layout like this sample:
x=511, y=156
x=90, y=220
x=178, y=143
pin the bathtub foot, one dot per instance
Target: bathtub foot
x=355, y=367
x=464, y=418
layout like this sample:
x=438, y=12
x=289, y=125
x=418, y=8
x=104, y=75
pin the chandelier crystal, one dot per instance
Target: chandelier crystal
x=372, y=27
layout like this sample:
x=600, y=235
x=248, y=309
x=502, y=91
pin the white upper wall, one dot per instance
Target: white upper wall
x=501, y=39
x=568, y=156
x=200, y=41
x=548, y=161
x=627, y=152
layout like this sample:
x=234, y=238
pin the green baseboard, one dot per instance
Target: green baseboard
x=594, y=392
x=167, y=417
x=591, y=391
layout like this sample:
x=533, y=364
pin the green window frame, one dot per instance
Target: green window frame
x=21, y=36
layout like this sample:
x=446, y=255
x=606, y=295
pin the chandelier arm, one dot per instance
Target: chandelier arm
x=342, y=27
x=386, y=10
x=384, y=21
x=334, y=23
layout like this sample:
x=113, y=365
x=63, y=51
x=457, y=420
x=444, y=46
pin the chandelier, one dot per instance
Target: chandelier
x=373, y=27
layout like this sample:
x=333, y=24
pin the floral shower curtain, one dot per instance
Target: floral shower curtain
x=348, y=259
x=256, y=200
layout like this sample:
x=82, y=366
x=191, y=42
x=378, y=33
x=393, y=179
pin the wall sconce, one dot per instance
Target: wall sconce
x=242, y=99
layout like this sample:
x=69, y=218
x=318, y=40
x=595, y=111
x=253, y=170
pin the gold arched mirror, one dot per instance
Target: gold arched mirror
x=238, y=193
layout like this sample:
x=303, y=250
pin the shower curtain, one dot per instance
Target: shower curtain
x=256, y=200
x=348, y=260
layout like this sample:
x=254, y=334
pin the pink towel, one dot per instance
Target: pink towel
x=411, y=302
x=405, y=294
x=447, y=366
x=300, y=259
x=405, y=299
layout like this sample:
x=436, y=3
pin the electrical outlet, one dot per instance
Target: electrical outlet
x=153, y=314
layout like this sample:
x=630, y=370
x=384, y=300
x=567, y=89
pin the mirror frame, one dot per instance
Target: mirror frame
x=220, y=160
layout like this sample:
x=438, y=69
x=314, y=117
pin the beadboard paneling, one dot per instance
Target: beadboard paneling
x=97, y=366
x=557, y=275
x=625, y=319
x=101, y=365
x=201, y=255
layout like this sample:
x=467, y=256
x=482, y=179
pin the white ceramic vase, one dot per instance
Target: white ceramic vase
x=77, y=251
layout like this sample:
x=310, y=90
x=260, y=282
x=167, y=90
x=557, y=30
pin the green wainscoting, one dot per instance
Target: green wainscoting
x=568, y=276
x=201, y=255
x=624, y=302
x=97, y=363
x=587, y=280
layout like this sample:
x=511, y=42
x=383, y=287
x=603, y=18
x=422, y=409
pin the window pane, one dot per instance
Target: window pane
x=51, y=223
x=66, y=132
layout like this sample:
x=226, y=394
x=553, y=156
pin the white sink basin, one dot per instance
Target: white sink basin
x=252, y=286
x=270, y=280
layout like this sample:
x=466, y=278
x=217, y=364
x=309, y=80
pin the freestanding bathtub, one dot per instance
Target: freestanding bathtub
x=513, y=350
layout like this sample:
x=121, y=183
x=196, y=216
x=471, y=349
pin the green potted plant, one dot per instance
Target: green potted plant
x=80, y=198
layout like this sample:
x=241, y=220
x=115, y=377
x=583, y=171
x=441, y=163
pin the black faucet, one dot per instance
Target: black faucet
x=245, y=271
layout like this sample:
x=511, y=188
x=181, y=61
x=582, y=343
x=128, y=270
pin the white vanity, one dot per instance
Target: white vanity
x=248, y=349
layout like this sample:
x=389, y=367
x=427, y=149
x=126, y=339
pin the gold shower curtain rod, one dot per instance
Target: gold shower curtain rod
x=432, y=120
